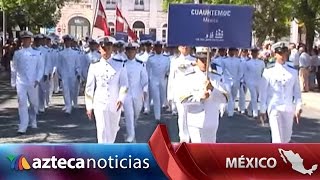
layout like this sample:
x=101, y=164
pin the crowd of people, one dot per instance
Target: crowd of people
x=132, y=77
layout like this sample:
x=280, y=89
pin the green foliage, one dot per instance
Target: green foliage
x=32, y=13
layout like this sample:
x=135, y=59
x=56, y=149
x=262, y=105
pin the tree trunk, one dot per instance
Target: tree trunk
x=310, y=33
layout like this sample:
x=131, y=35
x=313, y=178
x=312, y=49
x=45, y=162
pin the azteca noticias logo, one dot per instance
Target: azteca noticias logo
x=19, y=163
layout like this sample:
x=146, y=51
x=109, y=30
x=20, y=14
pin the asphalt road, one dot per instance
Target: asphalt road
x=55, y=127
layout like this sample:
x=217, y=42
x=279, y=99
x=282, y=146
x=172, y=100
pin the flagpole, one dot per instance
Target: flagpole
x=94, y=17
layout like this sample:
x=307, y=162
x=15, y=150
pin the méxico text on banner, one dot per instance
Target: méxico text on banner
x=210, y=25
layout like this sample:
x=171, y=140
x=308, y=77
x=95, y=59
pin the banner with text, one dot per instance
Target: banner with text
x=210, y=25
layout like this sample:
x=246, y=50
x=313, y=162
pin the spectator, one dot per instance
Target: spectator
x=312, y=69
x=304, y=63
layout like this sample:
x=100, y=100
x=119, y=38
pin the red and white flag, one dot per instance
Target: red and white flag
x=122, y=24
x=101, y=19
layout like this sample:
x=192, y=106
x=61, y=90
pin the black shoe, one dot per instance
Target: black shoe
x=21, y=133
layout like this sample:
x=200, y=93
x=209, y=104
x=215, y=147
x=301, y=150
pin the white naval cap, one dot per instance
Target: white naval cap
x=201, y=52
x=158, y=43
x=106, y=40
x=67, y=37
x=38, y=36
x=131, y=45
x=26, y=34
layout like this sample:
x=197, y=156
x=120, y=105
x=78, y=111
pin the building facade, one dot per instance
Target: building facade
x=143, y=16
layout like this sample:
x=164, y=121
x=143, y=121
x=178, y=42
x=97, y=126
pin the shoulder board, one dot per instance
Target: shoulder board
x=166, y=55
x=213, y=71
x=189, y=71
x=248, y=59
x=34, y=48
x=290, y=66
x=151, y=55
x=118, y=60
x=139, y=61
x=140, y=54
x=214, y=65
x=94, y=62
x=270, y=65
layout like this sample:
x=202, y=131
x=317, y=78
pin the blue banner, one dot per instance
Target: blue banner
x=121, y=36
x=147, y=37
x=79, y=161
x=210, y=25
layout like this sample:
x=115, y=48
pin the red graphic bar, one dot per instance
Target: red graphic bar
x=235, y=161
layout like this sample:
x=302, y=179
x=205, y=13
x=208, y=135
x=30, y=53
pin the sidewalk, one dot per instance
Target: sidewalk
x=311, y=99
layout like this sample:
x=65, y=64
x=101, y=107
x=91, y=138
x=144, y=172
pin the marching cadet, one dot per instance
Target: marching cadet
x=106, y=89
x=120, y=44
x=281, y=96
x=27, y=71
x=252, y=74
x=54, y=80
x=49, y=67
x=177, y=68
x=172, y=105
x=231, y=64
x=69, y=69
x=244, y=57
x=39, y=44
x=202, y=94
x=92, y=56
x=138, y=88
x=158, y=67
x=144, y=58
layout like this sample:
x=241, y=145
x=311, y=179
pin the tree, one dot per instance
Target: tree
x=271, y=18
x=32, y=13
x=308, y=12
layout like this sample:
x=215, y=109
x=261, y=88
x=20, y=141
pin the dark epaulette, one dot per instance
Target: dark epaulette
x=34, y=48
x=166, y=55
x=214, y=71
x=270, y=65
x=139, y=61
x=94, y=62
x=118, y=60
x=189, y=71
x=290, y=66
x=151, y=55
x=140, y=54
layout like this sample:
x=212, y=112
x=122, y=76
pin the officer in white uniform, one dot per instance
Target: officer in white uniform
x=226, y=77
x=252, y=75
x=106, y=89
x=158, y=67
x=70, y=70
x=39, y=42
x=202, y=95
x=177, y=71
x=26, y=74
x=49, y=67
x=231, y=65
x=54, y=80
x=243, y=86
x=144, y=58
x=138, y=88
x=281, y=96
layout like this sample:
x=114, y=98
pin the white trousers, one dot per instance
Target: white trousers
x=43, y=93
x=164, y=87
x=157, y=98
x=242, y=97
x=27, y=95
x=147, y=99
x=182, y=123
x=69, y=91
x=281, y=124
x=107, y=123
x=77, y=91
x=254, y=92
x=132, y=108
x=233, y=91
x=207, y=134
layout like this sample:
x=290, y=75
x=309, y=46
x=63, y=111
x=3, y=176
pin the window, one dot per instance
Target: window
x=139, y=28
x=79, y=27
x=111, y=4
x=164, y=32
x=153, y=31
x=139, y=5
x=111, y=28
